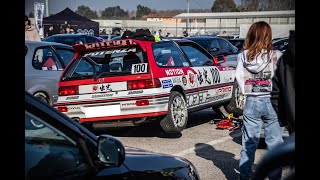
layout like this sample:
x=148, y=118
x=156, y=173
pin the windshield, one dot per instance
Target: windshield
x=203, y=43
x=111, y=62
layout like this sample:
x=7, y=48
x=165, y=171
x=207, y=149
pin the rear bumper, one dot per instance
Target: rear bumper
x=112, y=111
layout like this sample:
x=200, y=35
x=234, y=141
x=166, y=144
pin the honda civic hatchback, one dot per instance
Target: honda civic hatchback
x=129, y=82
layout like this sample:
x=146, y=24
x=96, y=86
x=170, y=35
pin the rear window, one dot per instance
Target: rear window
x=70, y=40
x=111, y=62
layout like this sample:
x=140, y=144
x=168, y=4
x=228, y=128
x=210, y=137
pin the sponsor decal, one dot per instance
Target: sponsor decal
x=215, y=98
x=102, y=95
x=176, y=80
x=167, y=83
x=184, y=80
x=139, y=68
x=101, y=88
x=135, y=92
x=223, y=90
x=105, y=44
x=174, y=72
x=215, y=75
x=73, y=108
x=102, y=53
x=192, y=78
x=128, y=104
x=72, y=97
x=203, y=77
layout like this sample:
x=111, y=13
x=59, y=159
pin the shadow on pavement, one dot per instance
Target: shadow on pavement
x=223, y=160
x=238, y=140
x=153, y=129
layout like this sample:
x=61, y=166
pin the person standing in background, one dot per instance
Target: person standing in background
x=50, y=31
x=31, y=34
x=256, y=65
x=283, y=86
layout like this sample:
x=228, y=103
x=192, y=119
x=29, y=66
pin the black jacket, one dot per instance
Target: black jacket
x=283, y=90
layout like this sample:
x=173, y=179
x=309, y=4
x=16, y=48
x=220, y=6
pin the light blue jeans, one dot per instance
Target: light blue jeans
x=257, y=109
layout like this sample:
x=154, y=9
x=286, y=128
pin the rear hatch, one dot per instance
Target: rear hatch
x=105, y=67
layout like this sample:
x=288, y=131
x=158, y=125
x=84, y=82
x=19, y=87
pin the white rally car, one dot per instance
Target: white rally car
x=128, y=81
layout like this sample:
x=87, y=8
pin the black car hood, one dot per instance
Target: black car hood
x=142, y=160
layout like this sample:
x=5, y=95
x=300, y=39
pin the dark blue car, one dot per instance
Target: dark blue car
x=71, y=39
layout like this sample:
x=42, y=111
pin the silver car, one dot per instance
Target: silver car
x=44, y=62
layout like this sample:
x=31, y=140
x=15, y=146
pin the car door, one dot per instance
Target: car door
x=47, y=70
x=53, y=151
x=214, y=85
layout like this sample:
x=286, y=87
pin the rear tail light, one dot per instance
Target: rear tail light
x=142, y=103
x=144, y=84
x=62, y=109
x=68, y=90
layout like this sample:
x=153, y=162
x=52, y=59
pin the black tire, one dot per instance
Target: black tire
x=237, y=101
x=177, y=117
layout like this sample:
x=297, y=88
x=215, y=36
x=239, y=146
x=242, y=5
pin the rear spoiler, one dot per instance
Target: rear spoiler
x=89, y=47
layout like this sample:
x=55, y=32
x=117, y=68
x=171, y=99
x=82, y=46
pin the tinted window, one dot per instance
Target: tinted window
x=66, y=55
x=203, y=43
x=111, y=62
x=51, y=153
x=167, y=54
x=196, y=57
x=224, y=44
x=215, y=44
x=70, y=40
x=45, y=59
x=92, y=39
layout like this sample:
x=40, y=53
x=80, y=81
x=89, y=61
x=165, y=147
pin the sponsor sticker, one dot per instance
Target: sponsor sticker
x=184, y=80
x=72, y=97
x=102, y=95
x=176, y=80
x=139, y=68
x=102, y=53
x=135, y=92
x=105, y=44
x=167, y=83
x=192, y=78
x=173, y=72
x=223, y=90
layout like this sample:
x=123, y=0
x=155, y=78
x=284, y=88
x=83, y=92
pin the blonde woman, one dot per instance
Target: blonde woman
x=256, y=66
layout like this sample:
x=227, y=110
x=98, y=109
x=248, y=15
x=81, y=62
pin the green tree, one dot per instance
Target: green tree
x=142, y=10
x=31, y=15
x=114, y=13
x=224, y=6
x=266, y=5
x=87, y=12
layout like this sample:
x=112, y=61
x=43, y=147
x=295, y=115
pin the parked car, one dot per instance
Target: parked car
x=280, y=44
x=215, y=45
x=131, y=81
x=237, y=42
x=64, y=149
x=44, y=62
x=107, y=36
x=71, y=39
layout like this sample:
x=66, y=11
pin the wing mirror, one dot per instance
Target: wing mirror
x=219, y=59
x=110, y=151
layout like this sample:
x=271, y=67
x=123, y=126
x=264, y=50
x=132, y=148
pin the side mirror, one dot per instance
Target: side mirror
x=110, y=151
x=219, y=59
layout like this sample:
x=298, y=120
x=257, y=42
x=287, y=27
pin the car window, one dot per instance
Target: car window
x=66, y=55
x=203, y=43
x=111, y=62
x=224, y=44
x=281, y=45
x=45, y=59
x=51, y=153
x=167, y=54
x=196, y=57
x=214, y=44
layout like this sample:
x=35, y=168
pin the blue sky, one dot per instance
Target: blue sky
x=56, y=6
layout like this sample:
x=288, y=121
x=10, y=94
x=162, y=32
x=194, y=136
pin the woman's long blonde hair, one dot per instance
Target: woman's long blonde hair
x=258, y=37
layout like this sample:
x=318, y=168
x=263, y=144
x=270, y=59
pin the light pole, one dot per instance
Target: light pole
x=47, y=8
x=187, y=24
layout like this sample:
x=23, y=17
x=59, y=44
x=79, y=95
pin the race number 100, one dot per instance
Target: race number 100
x=139, y=68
